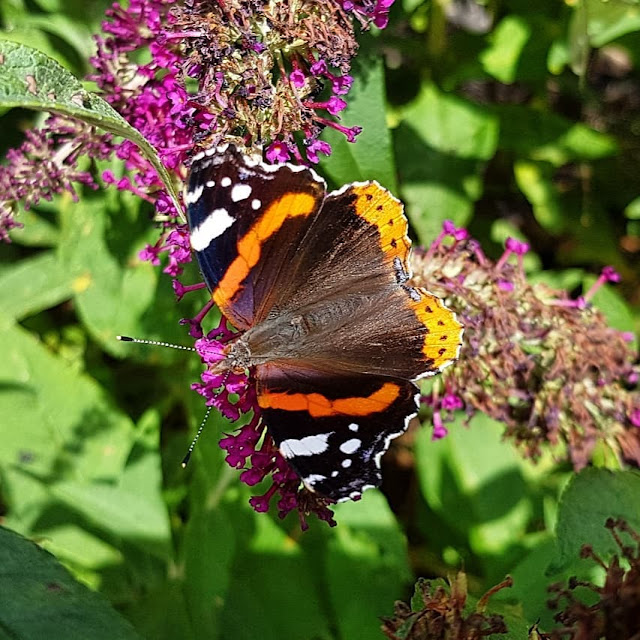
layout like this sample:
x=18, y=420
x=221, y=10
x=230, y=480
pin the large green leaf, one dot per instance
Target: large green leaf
x=507, y=42
x=34, y=284
x=367, y=550
x=371, y=156
x=273, y=592
x=39, y=599
x=57, y=424
x=539, y=135
x=591, y=497
x=442, y=146
x=610, y=19
x=33, y=80
x=473, y=481
x=115, y=293
x=210, y=543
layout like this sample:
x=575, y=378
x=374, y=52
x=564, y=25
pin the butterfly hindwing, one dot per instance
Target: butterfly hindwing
x=334, y=429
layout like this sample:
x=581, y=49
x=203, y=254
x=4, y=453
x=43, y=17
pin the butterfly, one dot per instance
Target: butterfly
x=318, y=286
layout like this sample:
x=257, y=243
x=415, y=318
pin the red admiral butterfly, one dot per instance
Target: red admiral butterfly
x=318, y=285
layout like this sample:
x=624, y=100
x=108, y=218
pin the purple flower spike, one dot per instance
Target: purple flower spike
x=532, y=358
x=297, y=78
x=319, y=68
x=278, y=152
x=341, y=84
x=451, y=402
x=608, y=274
x=439, y=430
x=318, y=146
x=517, y=247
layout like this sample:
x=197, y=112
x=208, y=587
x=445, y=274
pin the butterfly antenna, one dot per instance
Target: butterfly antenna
x=155, y=343
x=185, y=460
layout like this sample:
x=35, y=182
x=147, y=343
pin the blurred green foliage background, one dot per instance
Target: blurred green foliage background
x=508, y=117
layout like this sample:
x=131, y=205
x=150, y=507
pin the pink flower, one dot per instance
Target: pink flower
x=277, y=152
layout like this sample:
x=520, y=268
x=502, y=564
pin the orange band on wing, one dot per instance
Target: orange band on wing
x=378, y=207
x=442, y=342
x=250, y=246
x=318, y=406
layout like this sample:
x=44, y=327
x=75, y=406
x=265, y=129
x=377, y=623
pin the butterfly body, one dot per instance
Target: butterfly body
x=318, y=284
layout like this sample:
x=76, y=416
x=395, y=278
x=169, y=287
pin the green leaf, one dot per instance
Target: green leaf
x=442, y=146
x=72, y=32
x=371, y=156
x=632, y=210
x=57, y=424
x=507, y=42
x=610, y=19
x=34, y=284
x=530, y=582
x=37, y=39
x=40, y=599
x=115, y=292
x=542, y=136
x=592, y=496
x=33, y=80
x=273, y=581
x=79, y=548
x=473, y=481
x=368, y=550
x=37, y=231
x=209, y=548
x=122, y=512
x=535, y=180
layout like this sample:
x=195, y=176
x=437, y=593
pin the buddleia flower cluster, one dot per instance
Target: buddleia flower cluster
x=545, y=365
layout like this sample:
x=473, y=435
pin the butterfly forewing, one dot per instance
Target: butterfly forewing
x=247, y=220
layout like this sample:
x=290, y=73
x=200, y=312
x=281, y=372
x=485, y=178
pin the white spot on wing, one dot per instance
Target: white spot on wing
x=334, y=474
x=307, y=446
x=214, y=225
x=350, y=446
x=211, y=183
x=194, y=196
x=354, y=427
x=240, y=192
x=225, y=182
x=346, y=463
x=313, y=478
x=256, y=204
